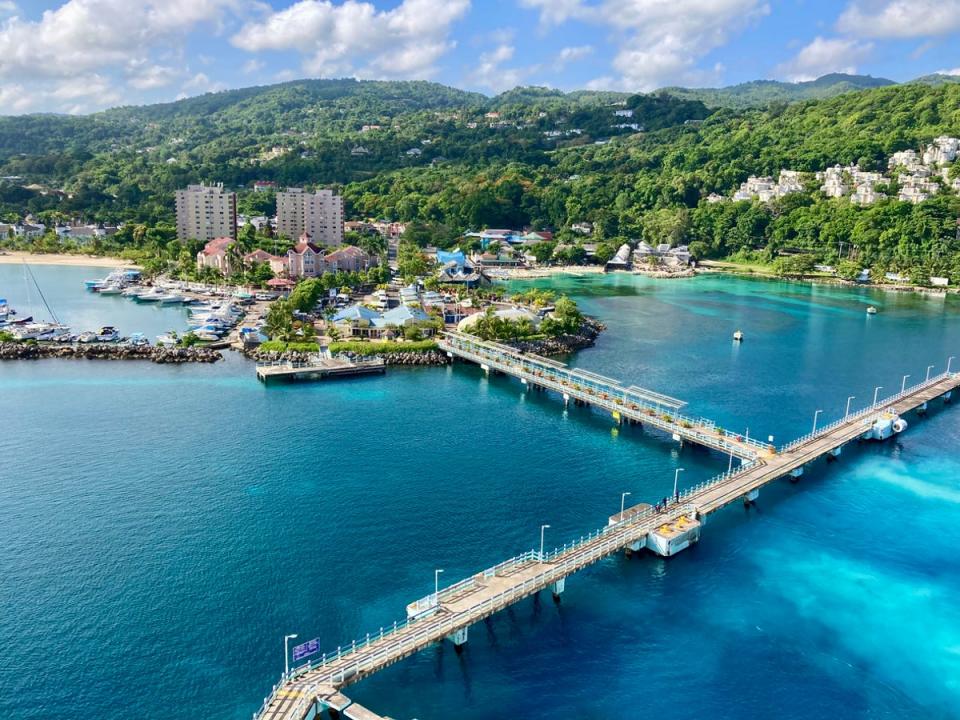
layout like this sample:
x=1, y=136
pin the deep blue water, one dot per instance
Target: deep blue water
x=161, y=528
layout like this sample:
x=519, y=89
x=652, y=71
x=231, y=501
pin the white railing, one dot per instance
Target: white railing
x=875, y=409
x=614, y=398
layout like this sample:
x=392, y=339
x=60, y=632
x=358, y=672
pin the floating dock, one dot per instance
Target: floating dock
x=320, y=369
x=663, y=529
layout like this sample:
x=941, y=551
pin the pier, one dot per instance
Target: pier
x=665, y=529
x=320, y=368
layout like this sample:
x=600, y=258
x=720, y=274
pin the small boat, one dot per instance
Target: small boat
x=133, y=292
x=871, y=310
x=104, y=334
x=110, y=290
x=137, y=340
x=169, y=339
x=738, y=336
x=206, y=336
x=152, y=296
x=172, y=299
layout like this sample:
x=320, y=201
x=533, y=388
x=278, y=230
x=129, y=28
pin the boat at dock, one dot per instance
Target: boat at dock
x=105, y=334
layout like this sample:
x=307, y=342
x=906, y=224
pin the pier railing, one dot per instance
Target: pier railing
x=870, y=410
x=636, y=403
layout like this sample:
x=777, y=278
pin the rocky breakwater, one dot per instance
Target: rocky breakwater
x=585, y=337
x=160, y=355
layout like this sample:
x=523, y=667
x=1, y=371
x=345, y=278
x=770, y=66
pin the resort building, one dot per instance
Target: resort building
x=279, y=264
x=216, y=255
x=348, y=259
x=319, y=215
x=206, y=212
x=305, y=259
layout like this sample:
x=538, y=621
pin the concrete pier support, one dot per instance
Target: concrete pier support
x=526, y=385
x=557, y=588
x=947, y=396
x=796, y=474
x=458, y=638
x=485, y=368
x=750, y=498
x=922, y=409
x=566, y=400
x=835, y=453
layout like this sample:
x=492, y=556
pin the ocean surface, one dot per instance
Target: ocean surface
x=162, y=528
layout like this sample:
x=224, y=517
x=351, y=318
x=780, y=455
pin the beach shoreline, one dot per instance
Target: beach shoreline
x=16, y=257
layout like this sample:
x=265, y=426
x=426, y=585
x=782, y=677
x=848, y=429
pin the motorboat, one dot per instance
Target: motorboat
x=206, y=336
x=169, y=339
x=133, y=292
x=110, y=290
x=872, y=310
x=172, y=299
x=105, y=334
x=154, y=295
x=137, y=340
x=738, y=336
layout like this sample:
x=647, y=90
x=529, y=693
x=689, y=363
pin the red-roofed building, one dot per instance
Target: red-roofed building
x=214, y=255
x=348, y=259
x=277, y=263
x=305, y=259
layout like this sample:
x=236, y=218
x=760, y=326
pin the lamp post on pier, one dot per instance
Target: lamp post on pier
x=929, y=368
x=903, y=384
x=676, y=478
x=436, y=586
x=876, y=391
x=815, y=416
x=847, y=413
x=286, y=653
x=623, y=499
x=542, y=530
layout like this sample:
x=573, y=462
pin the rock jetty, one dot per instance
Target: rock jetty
x=99, y=351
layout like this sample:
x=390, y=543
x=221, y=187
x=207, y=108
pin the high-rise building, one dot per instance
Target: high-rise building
x=206, y=212
x=319, y=215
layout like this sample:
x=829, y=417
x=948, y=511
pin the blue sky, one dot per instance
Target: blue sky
x=83, y=55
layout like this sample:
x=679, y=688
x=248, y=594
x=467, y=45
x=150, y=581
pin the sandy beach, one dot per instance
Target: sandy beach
x=15, y=258
x=527, y=273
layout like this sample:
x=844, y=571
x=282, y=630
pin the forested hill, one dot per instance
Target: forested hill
x=762, y=93
x=445, y=161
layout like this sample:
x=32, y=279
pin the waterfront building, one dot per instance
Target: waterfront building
x=279, y=264
x=318, y=214
x=305, y=259
x=216, y=254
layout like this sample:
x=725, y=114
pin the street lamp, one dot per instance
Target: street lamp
x=847, y=413
x=542, y=529
x=623, y=499
x=876, y=392
x=286, y=653
x=929, y=368
x=903, y=385
x=436, y=586
x=676, y=478
x=815, y=416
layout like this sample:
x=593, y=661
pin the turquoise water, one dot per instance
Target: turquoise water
x=162, y=528
x=63, y=289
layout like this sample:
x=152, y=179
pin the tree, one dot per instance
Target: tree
x=306, y=295
x=279, y=320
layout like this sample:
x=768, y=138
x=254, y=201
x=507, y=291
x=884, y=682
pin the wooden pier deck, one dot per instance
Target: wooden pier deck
x=319, y=369
x=449, y=613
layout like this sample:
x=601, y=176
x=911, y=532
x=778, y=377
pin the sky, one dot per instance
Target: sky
x=79, y=56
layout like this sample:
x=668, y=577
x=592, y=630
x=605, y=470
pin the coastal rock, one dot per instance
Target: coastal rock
x=97, y=351
x=585, y=337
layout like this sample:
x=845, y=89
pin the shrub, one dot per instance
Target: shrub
x=359, y=347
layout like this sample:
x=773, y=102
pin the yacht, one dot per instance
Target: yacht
x=153, y=295
x=172, y=299
x=169, y=339
x=137, y=340
x=871, y=310
x=738, y=336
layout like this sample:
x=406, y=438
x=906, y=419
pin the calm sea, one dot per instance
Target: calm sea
x=162, y=528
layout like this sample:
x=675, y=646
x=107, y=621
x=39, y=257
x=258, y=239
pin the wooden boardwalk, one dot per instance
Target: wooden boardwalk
x=449, y=613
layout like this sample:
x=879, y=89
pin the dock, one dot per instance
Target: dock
x=663, y=529
x=318, y=369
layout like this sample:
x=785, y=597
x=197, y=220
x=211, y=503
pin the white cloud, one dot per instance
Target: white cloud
x=571, y=55
x=955, y=71
x=355, y=38
x=822, y=56
x=253, y=66
x=201, y=83
x=104, y=40
x=900, y=18
x=490, y=74
x=660, y=41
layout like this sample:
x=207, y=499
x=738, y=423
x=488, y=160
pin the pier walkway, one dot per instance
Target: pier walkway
x=631, y=403
x=664, y=530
